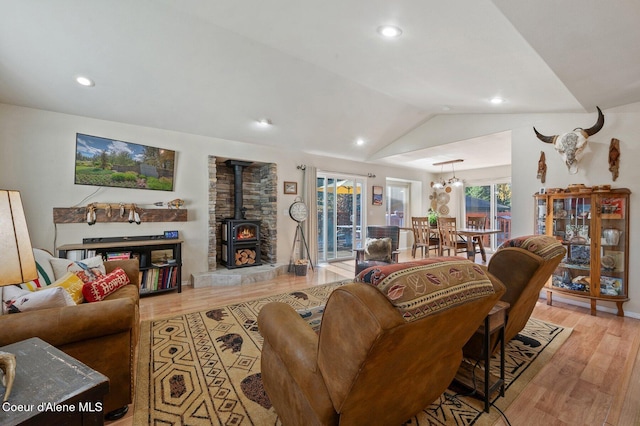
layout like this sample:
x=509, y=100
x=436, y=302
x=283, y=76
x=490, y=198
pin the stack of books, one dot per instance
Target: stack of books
x=155, y=279
x=121, y=255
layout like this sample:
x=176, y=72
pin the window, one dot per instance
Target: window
x=398, y=203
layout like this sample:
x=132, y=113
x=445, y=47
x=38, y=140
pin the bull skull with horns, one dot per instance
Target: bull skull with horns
x=571, y=145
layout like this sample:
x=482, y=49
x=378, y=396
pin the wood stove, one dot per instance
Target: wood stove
x=240, y=243
x=240, y=237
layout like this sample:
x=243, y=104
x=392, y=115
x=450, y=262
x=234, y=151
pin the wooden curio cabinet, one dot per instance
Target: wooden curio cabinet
x=594, y=228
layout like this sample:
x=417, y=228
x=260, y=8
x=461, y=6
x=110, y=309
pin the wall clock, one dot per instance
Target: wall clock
x=298, y=211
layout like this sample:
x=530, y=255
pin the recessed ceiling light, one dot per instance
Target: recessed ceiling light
x=85, y=81
x=389, y=31
x=264, y=122
x=497, y=100
x=360, y=141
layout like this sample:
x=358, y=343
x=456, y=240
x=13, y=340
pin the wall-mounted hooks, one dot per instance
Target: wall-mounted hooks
x=103, y=212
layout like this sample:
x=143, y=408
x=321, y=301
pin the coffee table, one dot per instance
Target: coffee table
x=486, y=385
x=52, y=388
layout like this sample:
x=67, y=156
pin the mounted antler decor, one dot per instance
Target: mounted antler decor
x=571, y=145
x=614, y=157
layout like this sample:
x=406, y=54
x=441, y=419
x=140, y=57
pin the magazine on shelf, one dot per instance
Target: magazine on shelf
x=120, y=255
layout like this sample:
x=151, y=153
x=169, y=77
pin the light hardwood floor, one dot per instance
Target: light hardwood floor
x=593, y=379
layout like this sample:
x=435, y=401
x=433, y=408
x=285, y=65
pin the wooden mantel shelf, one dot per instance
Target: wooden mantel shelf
x=79, y=215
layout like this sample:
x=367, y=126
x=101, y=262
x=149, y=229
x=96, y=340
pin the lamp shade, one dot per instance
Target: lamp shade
x=17, y=264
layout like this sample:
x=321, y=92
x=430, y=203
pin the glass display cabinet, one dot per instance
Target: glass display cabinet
x=593, y=225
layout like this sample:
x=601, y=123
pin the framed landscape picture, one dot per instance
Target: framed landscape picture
x=109, y=162
x=377, y=196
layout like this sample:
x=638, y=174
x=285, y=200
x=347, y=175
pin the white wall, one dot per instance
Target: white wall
x=622, y=123
x=38, y=156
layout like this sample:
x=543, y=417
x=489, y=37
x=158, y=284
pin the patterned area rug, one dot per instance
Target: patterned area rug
x=203, y=368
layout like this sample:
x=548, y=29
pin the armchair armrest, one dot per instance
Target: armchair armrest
x=290, y=351
x=289, y=335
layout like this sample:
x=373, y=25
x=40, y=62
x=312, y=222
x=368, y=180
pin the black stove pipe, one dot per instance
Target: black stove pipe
x=238, y=167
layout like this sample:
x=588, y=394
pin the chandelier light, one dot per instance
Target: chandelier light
x=441, y=182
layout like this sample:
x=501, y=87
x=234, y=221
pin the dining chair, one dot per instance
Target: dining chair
x=424, y=236
x=449, y=238
x=477, y=222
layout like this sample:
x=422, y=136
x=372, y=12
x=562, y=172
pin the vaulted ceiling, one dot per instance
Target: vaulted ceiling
x=318, y=70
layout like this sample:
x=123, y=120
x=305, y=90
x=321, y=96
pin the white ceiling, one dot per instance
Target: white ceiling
x=319, y=70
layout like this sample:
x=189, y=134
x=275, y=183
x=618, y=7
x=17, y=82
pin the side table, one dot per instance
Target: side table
x=52, y=388
x=493, y=324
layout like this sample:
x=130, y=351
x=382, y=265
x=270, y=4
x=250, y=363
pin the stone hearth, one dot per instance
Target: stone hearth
x=228, y=277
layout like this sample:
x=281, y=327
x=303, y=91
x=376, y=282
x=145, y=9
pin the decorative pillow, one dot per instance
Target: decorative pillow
x=545, y=246
x=378, y=249
x=102, y=287
x=72, y=285
x=87, y=269
x=45, y=273
x=422, y=288
x=16, y=299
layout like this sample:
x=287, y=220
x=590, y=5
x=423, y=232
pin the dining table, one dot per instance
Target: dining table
x=469, y=233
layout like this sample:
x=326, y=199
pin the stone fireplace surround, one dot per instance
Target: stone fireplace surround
x=259, y=198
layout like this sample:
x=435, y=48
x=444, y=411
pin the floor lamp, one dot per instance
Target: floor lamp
x=17, y=264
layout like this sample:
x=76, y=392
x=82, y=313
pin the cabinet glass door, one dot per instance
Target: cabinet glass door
x=613, y=242
x=572, y=225
x=541, y=216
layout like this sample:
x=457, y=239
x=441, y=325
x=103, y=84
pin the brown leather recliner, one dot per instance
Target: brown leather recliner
x=102, y=335
x=523, y=264
x=383, y=352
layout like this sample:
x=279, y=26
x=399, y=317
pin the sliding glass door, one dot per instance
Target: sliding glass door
x=493, y=202
x=340, y=216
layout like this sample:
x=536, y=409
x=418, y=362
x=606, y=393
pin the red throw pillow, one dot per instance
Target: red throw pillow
x=97, y=290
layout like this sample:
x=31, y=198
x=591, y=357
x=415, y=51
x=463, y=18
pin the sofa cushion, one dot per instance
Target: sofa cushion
x=72, y=285
x=87, y=269
x=16, y=299
x=97, y=290
x=378, y=249
x=545, y=246
x=421, y=288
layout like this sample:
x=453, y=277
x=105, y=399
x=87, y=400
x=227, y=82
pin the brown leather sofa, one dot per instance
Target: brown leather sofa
x=384, y=351
x=103, y=335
